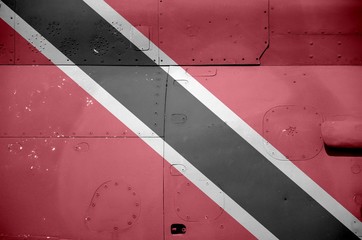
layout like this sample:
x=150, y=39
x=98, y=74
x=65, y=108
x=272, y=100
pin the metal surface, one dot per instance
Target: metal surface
x=238, y=168
x=115, y=206
x=296, y=129
x=191, y=211
x=141, y=89
x=334, y=91
x=316, y=17
x=204, y=33
x=7, y=49
x=310, y=49
x=147, y=24
x=324, y=32
x=47, y=103
x=60, y=180
x=80, y=33
x=185, y=204
x=343, y=132
x=80, y=143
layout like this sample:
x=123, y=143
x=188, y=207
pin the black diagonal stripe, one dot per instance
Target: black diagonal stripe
x=80, y=33
x=87, y=39
x=244, y=174
x=215, y=149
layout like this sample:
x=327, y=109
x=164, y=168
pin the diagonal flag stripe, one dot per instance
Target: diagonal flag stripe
x=99, y=43
x=137, y=126
x=234, y=140
x=243, y=129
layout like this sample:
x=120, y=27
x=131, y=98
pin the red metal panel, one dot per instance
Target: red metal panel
x=49, y=186
x=316, y=17
x=6, y=43
x=27, y=54
x=343, y=132
x=203, y=218
x=297, y=129
x=203, y=32
x=313, y=50
x=142, y=14
x=314, y=33
x=43, y=101
x=330, y=90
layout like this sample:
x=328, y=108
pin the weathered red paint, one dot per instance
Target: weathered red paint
x=239, y=30
x=334, y=91
x=186, y=204
x=6, y=43
x=59, y=146
x=323, y=32
x=47, y=103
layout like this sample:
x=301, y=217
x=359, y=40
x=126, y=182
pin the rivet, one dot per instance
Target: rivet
x=129, y=188
x=115, y=228
x=129, y=223
x=93, y=204
x=134, y=216
x=87, y=219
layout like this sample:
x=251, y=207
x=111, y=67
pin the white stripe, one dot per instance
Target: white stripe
x=243, y=129
x=209, y=100
x=137, y=126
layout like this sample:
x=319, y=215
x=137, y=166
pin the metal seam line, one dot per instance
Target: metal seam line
x=135, y=124
x=237, y=124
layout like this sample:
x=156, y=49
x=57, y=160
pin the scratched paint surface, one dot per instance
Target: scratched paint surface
x=252, y=117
